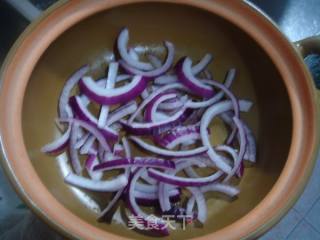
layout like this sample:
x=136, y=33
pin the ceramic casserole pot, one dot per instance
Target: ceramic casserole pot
x=271, y=73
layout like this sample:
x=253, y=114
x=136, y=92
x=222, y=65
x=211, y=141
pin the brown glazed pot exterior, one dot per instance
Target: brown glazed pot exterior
x=283, y=93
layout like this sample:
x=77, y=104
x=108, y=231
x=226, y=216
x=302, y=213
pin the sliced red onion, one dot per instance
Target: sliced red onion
x=154, y=202
x=207, y=103
x=119, y=217
x=240, y=171
x=139, y=117
x=163, y=190
x=179, y=135
x=108, y=156
x=152, y=107
x=151, y=128
x=207, y=74
x=161, y=116
x=213, y=187
x=57, y=145
x=151, y=187
x=84, y=114
x=202, y=64
x=94, y=185
x=133, y=54
x=250, y=153
x=230, y=95
x=123, y=77
x=91, y=129
x=210, y=113
x=101, y=152
x=87, y=145
x=227, y=118
x=112, y=75
x=148, y=179
x=111, y=203
x=173, y=104
x=85, y=100
x=195, y=116
x=91, y=161
x=152, y=96
x=137, y=162
x=126, y=147
x=81, y=141
x=122, y=112
x=229, y=150
x=103, y=81
x=221, y=187
x=116, y=126
x=230, y=76
x=201, y=203
x=164, y=199
x=245, y=105
x=167, y=112
x=190, y=172
x=165, y=152
x=186, y=77
x=118, y=95
x=166, y=79
x=136, y=210
x=118, y=150
x=243, y=143
x=153, y=88
x=69, y=85
x=189, y=142
x=232, y=135
x=122, y=43
x=154, y=195
x=147, y=188
x=155, y=61
x=156, y=72
x=143, y=49
x=145, y=93
x=61, y=127
x=81, y=133
x=93, y=151
x=201, y=160
x=190, y=205
x=74, y=157
x=148, y=100
x=183, y=181
x=81, y=110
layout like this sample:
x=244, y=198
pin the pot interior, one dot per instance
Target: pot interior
x=194, y=33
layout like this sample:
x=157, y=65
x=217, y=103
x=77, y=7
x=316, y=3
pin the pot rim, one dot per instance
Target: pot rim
x=63, y=15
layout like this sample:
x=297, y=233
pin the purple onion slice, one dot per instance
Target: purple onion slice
x=118, y=95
